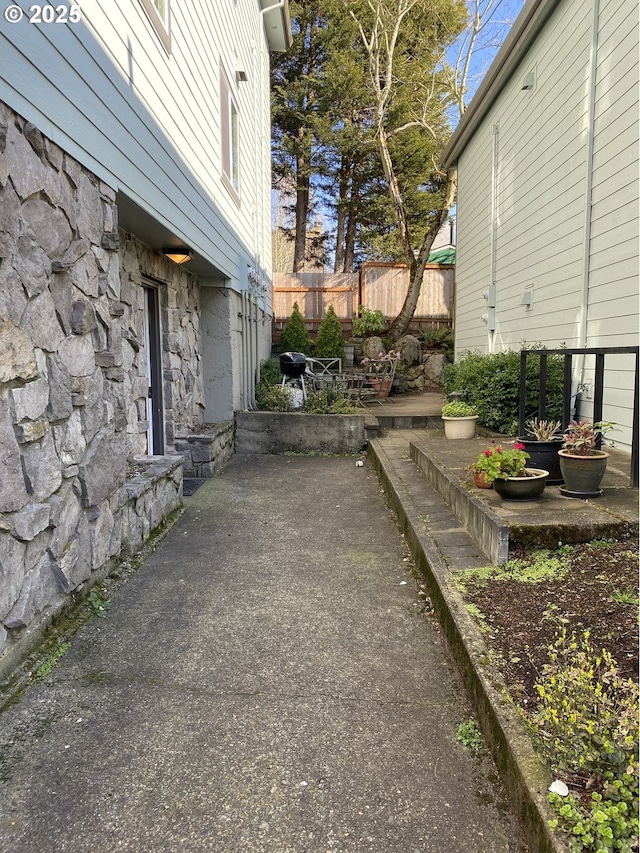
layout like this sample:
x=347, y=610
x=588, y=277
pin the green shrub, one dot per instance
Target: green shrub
x=586, y=726
x=295, y=337
x=328, y=401
x=458, y=409
x=368, y=322
x=330, y=343
x=491, y=384
x=270, y=373
x=441, y=340
x=274, y=398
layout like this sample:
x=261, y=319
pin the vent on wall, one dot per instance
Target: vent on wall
x=529, y=81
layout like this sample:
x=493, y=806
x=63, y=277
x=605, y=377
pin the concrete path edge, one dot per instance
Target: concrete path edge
x=524, y=777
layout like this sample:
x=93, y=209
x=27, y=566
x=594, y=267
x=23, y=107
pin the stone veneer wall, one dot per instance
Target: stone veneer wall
x=73, y=372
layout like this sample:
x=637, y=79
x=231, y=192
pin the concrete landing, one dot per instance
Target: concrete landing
x=410, y=429
x=552, y=520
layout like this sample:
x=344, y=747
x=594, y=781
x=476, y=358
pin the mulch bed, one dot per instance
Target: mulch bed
x=598, y=593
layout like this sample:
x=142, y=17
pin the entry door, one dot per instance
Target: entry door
x=155, y=415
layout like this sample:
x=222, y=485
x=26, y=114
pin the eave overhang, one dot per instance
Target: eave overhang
x=277, y=24
x=521, y=36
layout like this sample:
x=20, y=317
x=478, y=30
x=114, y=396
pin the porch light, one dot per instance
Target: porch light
x=178, y=254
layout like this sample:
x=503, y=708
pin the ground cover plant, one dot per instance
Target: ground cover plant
x=562, y=626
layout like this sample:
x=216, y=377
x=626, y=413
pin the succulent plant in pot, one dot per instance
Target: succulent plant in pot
x=459, y=419
x=542, y=442
x=581, y=462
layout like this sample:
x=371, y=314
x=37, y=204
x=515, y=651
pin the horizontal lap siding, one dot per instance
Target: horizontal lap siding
x=613, y=262
x=612, y=318
x=473, y=250
x=148, y=123
x=540, y=200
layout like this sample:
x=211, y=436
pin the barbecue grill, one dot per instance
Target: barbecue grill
x=293, y=364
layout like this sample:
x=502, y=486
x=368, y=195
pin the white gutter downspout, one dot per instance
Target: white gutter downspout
x=584, y=308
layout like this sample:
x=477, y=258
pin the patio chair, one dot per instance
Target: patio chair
x=378, y=381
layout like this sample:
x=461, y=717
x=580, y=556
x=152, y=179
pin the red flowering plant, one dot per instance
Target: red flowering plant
x=499, y=464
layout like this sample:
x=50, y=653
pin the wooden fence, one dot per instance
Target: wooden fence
x=377, y=285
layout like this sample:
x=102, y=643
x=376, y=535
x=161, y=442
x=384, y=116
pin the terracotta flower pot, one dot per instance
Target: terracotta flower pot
x=382, y=386
x=480, y=480
x=522, y=488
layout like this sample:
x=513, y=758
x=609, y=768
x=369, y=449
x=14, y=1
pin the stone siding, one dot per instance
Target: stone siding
x=73, y=384
x=205, y=453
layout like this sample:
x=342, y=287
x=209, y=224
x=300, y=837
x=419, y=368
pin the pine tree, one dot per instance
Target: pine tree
x=295, y=337
x=330, y=343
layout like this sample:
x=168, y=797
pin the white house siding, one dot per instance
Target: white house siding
x=542, y=186
x=613, y=263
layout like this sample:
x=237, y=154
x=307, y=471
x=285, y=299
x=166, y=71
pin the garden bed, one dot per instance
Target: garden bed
x=583, y=587
x=577, y=609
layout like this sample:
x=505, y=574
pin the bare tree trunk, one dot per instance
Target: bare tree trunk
x=350, y=238
x=302, y=212
x=343, y=185
x=400, y=325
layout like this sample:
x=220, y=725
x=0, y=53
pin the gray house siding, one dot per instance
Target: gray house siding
x=548, y=193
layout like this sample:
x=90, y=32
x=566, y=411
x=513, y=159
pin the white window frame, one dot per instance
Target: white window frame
x=160, y=20
x=230, y=142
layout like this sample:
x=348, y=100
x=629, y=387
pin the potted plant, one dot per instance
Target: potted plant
x=542, y=442
x=459, y=419
x=581, y=462
x=506, y=470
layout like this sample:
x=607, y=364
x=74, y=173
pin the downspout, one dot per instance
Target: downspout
x=584, y=308
x=491, y=294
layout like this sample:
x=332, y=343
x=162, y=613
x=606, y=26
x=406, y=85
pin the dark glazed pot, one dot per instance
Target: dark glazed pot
x=583, y=474
x=522, y=488
x=544, y=454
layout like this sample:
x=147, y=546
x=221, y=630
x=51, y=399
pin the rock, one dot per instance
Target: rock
x=41, y=322
x=49, y=226
x=33, y=519
x=76, y=353
x=83, y=317
x=23, y=164
x=103, y=470
x=410, y=350
x=18, y=360
x=73, y=254
x=373, y=346
x=30, y=400
x=60, y=389
x=12, y=554
x=41, y=466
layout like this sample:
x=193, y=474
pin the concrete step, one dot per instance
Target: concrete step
x=497, y=526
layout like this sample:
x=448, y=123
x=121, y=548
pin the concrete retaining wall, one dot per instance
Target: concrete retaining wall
x=281, y=432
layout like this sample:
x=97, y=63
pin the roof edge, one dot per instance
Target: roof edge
x=278, y=27
x=521, y=35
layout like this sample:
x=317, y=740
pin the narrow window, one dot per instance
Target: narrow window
x=158, y=12
x=230, y=135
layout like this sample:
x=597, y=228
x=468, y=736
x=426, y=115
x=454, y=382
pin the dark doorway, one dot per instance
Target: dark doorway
x=155, y=414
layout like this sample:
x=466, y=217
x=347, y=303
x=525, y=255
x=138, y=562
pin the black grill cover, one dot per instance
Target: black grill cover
x=293, y=364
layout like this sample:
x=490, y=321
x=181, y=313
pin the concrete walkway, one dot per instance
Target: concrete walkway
x=267, y=681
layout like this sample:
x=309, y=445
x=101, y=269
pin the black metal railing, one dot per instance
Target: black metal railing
x=598, y=389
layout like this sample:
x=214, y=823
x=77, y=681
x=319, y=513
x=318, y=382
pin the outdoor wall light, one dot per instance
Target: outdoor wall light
x=178, y=254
